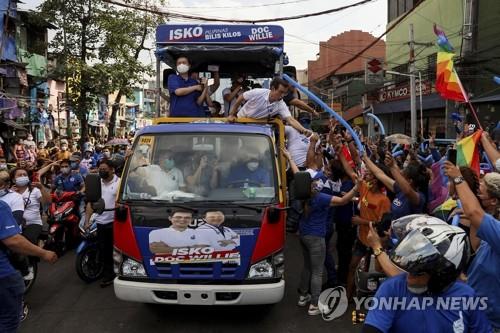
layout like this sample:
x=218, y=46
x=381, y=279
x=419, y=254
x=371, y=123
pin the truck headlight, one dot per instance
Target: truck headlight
x=261, y=270
x=132, y=268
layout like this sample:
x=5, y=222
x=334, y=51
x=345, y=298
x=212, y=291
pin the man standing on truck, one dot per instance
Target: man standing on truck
x=186, y=94
x=266, y=103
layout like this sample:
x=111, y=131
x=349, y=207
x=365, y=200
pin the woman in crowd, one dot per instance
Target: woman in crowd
x=410, y=186
x=312, y=231
x=34, y=194
x=483, y=274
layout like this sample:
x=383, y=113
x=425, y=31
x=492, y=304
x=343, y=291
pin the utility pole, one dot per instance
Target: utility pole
x=66, y=84
x=413, y=92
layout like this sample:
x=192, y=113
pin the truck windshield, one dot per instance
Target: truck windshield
x=186, y=167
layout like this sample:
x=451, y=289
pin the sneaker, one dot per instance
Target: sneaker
x=313, y=310
x=304, y=299
x=24, y=314
x=30, y=275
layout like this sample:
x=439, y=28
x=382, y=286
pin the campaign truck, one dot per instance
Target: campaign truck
x=201, y=209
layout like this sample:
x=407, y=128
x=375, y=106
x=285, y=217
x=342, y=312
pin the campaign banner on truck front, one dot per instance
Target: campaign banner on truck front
x=200, y=242
x=219, y=34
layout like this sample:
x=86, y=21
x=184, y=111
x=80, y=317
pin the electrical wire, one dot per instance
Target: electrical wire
x=239, y=7
x=171, y=14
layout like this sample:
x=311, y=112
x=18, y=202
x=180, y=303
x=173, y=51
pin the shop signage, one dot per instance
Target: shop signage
x=402, y=92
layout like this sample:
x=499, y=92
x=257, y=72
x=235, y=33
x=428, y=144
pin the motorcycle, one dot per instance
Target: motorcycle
x=88, y=265
x=63, y=219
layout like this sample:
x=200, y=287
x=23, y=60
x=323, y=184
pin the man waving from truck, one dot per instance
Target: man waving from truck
x=266, y=103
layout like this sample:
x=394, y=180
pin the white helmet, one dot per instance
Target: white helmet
x=440, y=250
x=402, y=226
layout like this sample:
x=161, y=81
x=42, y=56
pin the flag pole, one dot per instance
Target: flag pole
x=466, y=96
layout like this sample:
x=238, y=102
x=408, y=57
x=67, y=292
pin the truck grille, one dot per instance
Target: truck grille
x=215, y=270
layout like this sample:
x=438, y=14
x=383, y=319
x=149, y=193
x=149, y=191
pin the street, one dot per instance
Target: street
x=61, y=302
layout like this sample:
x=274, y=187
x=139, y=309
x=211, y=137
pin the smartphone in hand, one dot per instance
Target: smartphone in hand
x=452, y=156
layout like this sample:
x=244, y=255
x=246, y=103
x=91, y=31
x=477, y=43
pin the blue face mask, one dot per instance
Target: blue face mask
x=169, y=163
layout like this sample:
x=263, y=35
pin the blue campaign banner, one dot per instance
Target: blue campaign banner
x=219, y=34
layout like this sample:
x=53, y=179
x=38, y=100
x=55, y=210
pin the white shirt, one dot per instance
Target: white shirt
x=228, y=105
x=32, y=209
x=108, y=191
x=164, y=181
x=215, y=236
x=297, y=145
x=14, y=200
x=259, y=107
x=174, y=238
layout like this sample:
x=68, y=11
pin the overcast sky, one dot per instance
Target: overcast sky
x=302, y=36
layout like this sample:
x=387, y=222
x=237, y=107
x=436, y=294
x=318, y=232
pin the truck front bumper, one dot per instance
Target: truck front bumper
x=186, y=294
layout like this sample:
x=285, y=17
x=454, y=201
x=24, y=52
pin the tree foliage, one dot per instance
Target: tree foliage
x=97, y=46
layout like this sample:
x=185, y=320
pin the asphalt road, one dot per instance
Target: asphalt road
x=61, y=302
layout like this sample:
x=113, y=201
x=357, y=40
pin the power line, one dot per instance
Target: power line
x=217, y=19
x=357, y=55
x=239, y=7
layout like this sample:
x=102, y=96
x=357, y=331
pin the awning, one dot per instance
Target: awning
x=352, y=113
x=13, y=124
x=492, y=98
x=432, y=101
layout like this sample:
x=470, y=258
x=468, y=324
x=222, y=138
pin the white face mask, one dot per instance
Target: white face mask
x=30, y=138
x=417, y=290
x=182, y=68
x=252, y=166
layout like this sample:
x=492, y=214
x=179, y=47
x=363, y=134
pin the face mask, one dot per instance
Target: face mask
x=106, y=154
x=65, y=170
x=30, y=138
x=104, y=174
x=3, y=166
x=417, y=290
x=252, y=166
x=74, y=165
x=64, y=148
x=22, y=181
x=182, y=68
x=3, y=192
x=318, y=186
x=169, y=164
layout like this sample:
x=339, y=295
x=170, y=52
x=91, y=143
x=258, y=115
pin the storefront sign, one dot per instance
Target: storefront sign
x=402, y=92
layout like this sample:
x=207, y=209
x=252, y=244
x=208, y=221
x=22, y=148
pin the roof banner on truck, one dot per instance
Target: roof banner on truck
x=219, y=34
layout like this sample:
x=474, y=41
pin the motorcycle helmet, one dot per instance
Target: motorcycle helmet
x=402, y=226
x=440, y=250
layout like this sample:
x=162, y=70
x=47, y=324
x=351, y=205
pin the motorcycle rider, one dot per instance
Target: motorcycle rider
x=67, y=181
x=433, y=257
x=11, y=283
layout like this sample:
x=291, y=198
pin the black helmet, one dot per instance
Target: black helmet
x=440, y=250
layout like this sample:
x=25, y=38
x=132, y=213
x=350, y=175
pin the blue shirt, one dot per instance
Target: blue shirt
x=241, y=173
x=343, y=214
x=315, y=223
x=69, y=183
x=183, y=106
x=401, y=205
x=484, y=271
x=8, y=228
x=429, y=320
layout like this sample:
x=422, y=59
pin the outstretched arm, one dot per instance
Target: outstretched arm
x=403, y=184
x=379, y=174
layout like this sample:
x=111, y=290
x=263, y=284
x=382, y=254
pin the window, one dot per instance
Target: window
x=431, y=67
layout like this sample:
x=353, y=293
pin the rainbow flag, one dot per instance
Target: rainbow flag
x=468, y=151
x=447, y=82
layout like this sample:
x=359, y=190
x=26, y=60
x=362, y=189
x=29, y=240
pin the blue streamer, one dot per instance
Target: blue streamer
x=398, y=153
x=456, y=218
x=328, y=109
x=377, y=120
x=395, y=149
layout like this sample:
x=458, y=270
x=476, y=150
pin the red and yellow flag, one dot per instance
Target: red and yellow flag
x=468, y=152
x=447, y=81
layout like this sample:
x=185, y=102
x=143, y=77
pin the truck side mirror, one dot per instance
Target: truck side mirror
x=302, y=185
x=93, y=187
x=98, y=206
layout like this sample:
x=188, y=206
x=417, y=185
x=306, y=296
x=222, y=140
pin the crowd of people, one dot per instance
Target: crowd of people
x=353, y=192
x=30, y=173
